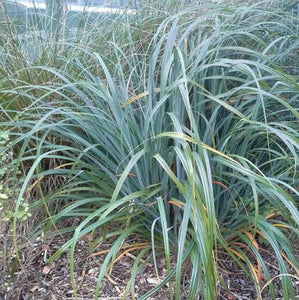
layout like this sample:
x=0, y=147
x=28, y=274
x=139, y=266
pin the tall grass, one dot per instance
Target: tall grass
x=181, y=127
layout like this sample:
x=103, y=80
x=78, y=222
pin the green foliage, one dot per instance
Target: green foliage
x=181, y=126
x=8, y=186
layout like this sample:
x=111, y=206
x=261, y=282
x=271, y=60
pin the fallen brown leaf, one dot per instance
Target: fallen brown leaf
x=46, y=270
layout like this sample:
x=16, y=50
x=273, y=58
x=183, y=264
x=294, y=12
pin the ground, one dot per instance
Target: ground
x=39, y=280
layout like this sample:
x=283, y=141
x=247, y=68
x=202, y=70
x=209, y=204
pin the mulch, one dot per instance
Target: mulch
x=39, y=280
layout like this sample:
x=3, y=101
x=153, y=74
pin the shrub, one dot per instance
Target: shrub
x=185, y=132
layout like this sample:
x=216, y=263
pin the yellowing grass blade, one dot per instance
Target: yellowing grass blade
x=131, y=249
x=176, y=203
x=287, y=259
x=137, y=97
x=282, y=225
x=259, y=274
x=42, y=177
x=182, y=136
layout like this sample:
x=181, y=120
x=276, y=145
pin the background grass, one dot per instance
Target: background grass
x=179, y=123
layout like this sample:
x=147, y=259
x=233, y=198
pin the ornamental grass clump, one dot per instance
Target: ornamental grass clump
x=184, y=131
